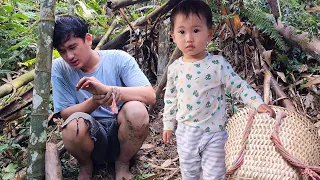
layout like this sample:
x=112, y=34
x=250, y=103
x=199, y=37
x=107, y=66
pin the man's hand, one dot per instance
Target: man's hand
x=92, y=85
x=113, y=95
x=263, y=108
x=166, y=136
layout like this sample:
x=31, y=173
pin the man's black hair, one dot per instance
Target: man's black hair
x=67, y=26
x=187, y=7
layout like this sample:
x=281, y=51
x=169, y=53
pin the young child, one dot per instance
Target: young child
x=195, y=94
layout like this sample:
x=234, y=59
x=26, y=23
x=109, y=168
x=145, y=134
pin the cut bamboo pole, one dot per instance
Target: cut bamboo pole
x=16, y=83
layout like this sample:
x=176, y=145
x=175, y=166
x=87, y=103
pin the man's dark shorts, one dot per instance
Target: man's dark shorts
x=104, y=133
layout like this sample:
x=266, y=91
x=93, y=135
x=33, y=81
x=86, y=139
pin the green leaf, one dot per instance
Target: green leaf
x=3, y=147
x=10, y=168
x=8, y=8
x=8, y=175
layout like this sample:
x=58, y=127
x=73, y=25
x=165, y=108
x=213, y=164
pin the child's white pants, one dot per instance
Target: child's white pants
x=201, y=151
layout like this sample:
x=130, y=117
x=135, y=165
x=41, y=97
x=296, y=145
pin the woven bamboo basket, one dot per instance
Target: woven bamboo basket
x=261, y=159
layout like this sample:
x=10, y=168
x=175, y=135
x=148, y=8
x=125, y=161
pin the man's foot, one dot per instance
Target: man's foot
x=85, y=172
x=122, y=171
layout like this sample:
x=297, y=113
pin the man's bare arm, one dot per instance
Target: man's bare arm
x=87, y=106
x=145, y=94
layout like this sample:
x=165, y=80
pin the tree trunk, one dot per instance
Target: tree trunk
x=41, y=93
x=52, y=163
x=175, y=55
x=164, y=47
x=311, y=47
x=16, y=83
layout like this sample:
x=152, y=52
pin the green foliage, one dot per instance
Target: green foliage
x=256, y=15
x=295, y=14
x=18, y=24
x=9, y=171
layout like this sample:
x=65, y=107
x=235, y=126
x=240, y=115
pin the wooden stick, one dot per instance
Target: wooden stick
x=266, y=87
x=106, y=36
x=52, y=163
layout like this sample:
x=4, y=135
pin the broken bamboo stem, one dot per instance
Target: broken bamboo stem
x=16, y=83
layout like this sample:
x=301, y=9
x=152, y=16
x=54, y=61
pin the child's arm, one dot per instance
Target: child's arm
x=240, y=88
x=170, y=106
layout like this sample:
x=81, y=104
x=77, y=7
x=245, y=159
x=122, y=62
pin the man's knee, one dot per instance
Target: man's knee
x=75, y=131
x=135, y=116
x=135, y=112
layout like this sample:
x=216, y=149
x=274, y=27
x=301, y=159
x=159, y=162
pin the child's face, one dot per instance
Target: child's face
x=191, y=36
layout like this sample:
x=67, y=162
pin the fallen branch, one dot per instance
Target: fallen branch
x=106, y=36
x=16, y=83
x=52, y=163
x=311, y=47
x=116, y=4
x=121, y=40
x=175, y=55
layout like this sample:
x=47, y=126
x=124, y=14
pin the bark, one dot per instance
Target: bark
x=175, y=55
x=16, y=83
x=52, y=163
x=285, y=101
x=41, y=93
x=106, y=36
x=311, y=47
x=164, y=47
x=116, y=4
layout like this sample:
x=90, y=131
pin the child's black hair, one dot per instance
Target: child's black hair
x=187, y=7
x=67, y=26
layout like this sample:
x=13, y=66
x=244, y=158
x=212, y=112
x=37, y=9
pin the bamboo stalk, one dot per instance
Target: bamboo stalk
x=41, y=93
x=16, y=83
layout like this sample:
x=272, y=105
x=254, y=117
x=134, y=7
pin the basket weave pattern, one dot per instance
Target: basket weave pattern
x=261, y=158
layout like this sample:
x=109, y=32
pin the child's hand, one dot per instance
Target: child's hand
x=263, y=108
x=166, y=136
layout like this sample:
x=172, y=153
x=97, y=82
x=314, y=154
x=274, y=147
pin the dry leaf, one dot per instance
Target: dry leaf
x=167, y=163
x=309, y=101
x=147, y=146
x=267, y=57
x=313, y=82
x=282, y=76
x=303, y=68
